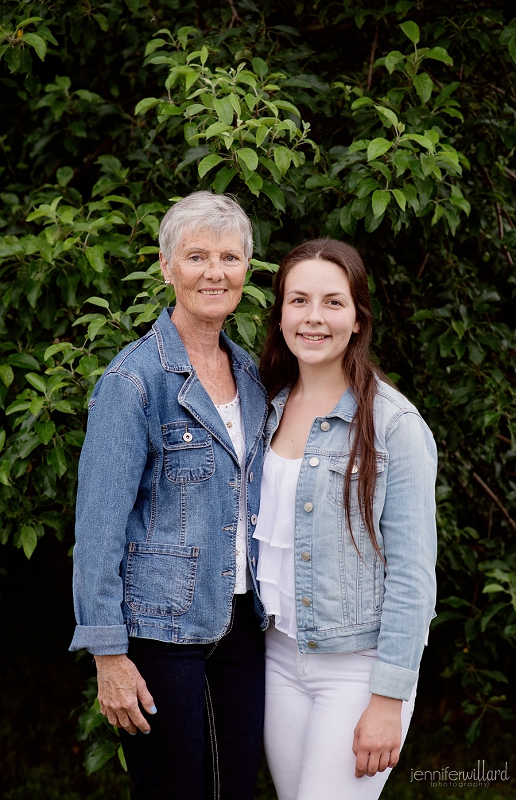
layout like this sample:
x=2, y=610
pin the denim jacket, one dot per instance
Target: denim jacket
x=345, y=602
x=158, y=499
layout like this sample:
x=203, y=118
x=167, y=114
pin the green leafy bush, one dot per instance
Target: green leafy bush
x=391, y=126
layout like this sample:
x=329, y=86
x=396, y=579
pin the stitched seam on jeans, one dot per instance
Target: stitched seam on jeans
x=226, y=633
x=213, y=739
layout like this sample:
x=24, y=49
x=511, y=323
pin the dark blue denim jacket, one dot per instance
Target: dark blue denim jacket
x=158, y=499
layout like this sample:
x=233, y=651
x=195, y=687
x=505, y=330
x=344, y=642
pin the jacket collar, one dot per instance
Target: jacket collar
x=172, y=352
x=194, y=397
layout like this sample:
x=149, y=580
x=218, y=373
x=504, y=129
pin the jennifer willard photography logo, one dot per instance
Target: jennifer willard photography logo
x=480, y=776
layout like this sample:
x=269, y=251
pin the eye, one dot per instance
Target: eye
x=335, y=303
x=298, y=300
x=231, y=258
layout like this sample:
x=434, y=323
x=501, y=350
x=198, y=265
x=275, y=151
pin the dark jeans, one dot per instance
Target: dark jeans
x=205, y=740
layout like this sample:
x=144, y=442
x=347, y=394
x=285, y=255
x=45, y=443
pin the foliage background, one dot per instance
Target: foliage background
x=389, y=125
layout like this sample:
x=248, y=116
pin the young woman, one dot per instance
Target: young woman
x=347, y=537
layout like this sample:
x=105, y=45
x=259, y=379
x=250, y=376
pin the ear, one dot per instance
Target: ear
x=165, y=268
x=356, y=327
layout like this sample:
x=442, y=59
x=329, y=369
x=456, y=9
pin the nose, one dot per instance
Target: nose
x=314, y=314
x=214, y=269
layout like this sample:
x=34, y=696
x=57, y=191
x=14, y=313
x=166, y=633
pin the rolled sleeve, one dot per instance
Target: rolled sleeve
x=111, y=466
x=409, y=534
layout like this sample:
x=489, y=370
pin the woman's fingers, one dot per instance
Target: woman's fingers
x=119, y=687
x=144, y=696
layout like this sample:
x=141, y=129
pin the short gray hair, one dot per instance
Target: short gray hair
x=216, y=213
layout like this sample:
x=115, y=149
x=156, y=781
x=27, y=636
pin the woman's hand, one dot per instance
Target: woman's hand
x=120, y=687
x=377, y=740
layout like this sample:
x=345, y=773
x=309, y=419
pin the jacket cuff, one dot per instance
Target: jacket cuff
x=391, y=681
x=101, y=640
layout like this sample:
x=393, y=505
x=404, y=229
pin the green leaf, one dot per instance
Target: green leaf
x=393, y=58
x=248, y=157
x=222, y=179
x=255, y=183
x=37, y=381
x=36, y=405
x=260, y=67
x=347, y=220
x=377, y=148
x=424, y=86
x=275, y=194
x=18, y=405
x=57, y=460
x=391, y=116
x=360, y=102
x=23, y=360
x=208, y=163
x=45, y=431
x=224, y=110
x=400, y=198
x=246, y=328
x=98, y=754
x=6, y=374
x=411, y=31
x=261, y=133
x=282, y=158
x=95, y=327
x=145, y=104
x=95, y=256
x=437, y=214
x=253, y=291
x=424, y=141
x=512, y=47
x=28, y=539
x=380, y=201
x=39, y=44
x=98, y=301
x=439, y=54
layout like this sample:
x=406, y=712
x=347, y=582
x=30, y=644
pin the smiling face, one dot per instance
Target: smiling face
x=208, y=273
x=318, y=313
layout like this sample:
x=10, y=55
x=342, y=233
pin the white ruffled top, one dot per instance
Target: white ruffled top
x=275, y=532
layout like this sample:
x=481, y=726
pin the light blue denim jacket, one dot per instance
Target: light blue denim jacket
x=344, y=602
x=158, y=499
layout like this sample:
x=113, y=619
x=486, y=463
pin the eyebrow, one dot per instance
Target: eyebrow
x=193, y=249
x=328, y=294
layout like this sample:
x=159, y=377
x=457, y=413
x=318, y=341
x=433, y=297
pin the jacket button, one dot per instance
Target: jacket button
x=312, y=645
x=305, y=556
x=325, y=426
x=314, y=462
x=306, y=601
x=254, y=519
x=253, y=561
x=251, y=476
x=308, y=507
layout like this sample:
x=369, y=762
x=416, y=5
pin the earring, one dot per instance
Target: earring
x=280, y=326
x=167, y=282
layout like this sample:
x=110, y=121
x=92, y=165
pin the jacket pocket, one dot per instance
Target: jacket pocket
x=188, y=452
x=337, y=469
x=160, y=578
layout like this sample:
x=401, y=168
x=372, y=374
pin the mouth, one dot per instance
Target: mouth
x=212, y=292
x=313, y=337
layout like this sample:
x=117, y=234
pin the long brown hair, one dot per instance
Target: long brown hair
x=279, y=367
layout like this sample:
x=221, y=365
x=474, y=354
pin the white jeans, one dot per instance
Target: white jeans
x=312, y=706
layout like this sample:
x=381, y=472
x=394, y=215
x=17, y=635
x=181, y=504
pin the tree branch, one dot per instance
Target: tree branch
x=495, y=500
x=371, y=59
x=234, y=14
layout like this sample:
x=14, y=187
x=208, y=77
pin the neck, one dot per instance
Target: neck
x=316, y=383
x=200, y=337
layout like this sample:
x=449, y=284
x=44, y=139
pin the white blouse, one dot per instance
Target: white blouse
x=275, y=532
x=231, y=414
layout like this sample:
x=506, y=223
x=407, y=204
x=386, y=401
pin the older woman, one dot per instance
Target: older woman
x=165, y=562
